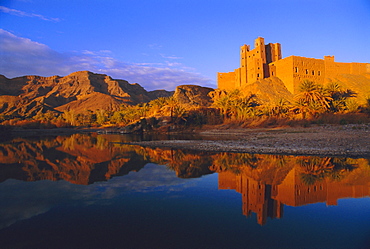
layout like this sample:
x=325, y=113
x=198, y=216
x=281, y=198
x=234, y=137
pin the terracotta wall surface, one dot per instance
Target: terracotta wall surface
x=284, y=71
x=226, y=80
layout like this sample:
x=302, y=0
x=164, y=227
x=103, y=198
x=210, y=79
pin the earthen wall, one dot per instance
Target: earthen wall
x=334, y=68
x=226, y=80
x=307, y=69
x=284, y=70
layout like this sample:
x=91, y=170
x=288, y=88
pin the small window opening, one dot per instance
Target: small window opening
x=313, y=72
x=296, y=69
x=306, y=71
x=318, y=73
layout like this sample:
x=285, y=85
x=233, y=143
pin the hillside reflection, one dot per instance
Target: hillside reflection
x=266, y=182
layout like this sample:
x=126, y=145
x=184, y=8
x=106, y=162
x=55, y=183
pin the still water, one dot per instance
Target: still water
x=95, y=191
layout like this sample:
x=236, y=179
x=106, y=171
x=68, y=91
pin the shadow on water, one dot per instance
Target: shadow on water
x=265, y=184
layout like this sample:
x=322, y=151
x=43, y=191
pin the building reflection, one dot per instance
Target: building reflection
x=256, y=197
x=267, y=201
x=266, y=182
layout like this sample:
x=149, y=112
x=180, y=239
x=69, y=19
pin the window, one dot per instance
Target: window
x=318, y=73
x=306, y=71
x=272, y=73
x=296, y=69
x=258, y=75
x=313, y=72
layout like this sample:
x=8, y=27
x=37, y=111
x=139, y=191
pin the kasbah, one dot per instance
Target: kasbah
x=265, y=61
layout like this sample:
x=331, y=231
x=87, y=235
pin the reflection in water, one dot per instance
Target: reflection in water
x=265, y=182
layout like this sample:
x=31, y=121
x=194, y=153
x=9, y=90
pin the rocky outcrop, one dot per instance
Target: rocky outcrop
x=193, y=95
x=29, y=95
x=268, y=90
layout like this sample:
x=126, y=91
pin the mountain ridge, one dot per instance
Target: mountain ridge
x=32, y=94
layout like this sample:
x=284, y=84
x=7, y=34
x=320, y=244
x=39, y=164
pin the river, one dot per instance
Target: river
x=95, y=191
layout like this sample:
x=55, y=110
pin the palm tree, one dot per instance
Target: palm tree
x=312, y=98
x=339, y=97
x=223, y=104
x=279, y=108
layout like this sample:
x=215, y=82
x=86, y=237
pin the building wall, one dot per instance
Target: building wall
x=284, y=70
x=226, y=80
x=266, y=61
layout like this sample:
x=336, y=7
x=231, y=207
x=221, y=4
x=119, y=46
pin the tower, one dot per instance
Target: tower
x=256, y=59
x=243, y=70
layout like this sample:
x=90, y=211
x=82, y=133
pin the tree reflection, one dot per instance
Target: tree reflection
x=266, y=182
x=316, y=168
x=234, y=162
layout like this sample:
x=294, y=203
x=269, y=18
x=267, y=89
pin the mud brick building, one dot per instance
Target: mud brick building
x=266, y=61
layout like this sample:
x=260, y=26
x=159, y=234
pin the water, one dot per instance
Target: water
x=85, y=191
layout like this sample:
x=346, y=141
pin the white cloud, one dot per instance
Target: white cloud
x=22, y=56
x=25, y=14
x=173, y=57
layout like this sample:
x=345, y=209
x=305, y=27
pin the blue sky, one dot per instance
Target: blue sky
x=164, y=43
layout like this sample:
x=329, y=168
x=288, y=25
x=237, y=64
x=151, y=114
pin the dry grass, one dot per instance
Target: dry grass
x=272, y=122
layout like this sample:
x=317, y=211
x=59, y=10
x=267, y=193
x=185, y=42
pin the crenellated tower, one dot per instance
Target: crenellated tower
x=254, y=63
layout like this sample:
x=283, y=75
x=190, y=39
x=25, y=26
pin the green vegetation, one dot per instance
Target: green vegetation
x=314, y=104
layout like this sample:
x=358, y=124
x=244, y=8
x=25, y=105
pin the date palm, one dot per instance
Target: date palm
x=339, y=97
x=312, y=98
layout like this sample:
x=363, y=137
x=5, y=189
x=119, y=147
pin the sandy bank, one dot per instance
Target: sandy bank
x=328, y=140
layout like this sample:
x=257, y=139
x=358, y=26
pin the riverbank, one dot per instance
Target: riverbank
x=325, y=140
x=351, y=140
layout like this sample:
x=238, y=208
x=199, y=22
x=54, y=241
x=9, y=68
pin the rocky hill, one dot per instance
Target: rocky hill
x=360, y=84
x=80, y=91
x=268, y=90
x=193, y=95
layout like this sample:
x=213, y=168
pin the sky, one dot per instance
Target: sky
x=161, y=44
